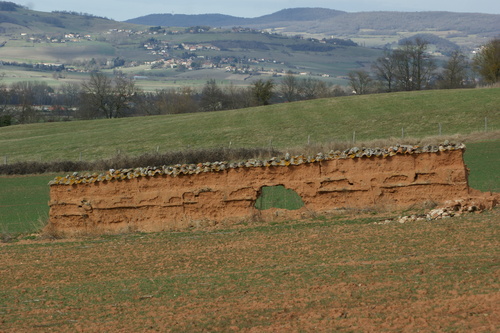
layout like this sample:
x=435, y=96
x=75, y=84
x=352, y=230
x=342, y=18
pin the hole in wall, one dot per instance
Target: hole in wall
x=278, y=197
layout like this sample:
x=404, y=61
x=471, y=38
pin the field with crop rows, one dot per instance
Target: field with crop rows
x=337, y=273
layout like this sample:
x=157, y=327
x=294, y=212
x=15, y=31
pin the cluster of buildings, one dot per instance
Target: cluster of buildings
x=63, y=38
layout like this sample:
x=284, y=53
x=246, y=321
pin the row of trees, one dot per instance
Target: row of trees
x=411, y=67
x=118, y=97
x=104, y=96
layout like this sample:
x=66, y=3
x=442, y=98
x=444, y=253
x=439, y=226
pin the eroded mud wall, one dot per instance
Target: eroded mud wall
x=164, y=202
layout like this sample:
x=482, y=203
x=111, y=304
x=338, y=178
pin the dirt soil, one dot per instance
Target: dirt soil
x=337, y=273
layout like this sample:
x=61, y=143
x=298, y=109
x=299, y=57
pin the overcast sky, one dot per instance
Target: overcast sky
x=122, y=10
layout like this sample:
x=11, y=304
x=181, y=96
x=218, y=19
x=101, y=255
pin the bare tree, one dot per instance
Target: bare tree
x=5, y=109
x=212, y=97
x=289, y=87
x=124, y=91
x=455, y=72
x=97, y=94
x=414, y=66
x=70, y=93
x=359, y=81
x=26, y=94
x=410, y=67
x=313, y=88
x=238, y=97
x=103, y=96
x=385, y=71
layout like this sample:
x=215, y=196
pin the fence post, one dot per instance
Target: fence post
x=5, y=159
x=80, y=156
x=353, y=136
x=309, y=139
x=402, y=132
x=440, y=129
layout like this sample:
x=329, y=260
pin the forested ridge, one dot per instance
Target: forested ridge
x=322, y=20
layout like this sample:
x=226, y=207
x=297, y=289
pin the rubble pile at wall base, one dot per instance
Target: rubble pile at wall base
x=183, y=196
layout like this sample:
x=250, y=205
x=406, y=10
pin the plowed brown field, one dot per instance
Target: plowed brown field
x=321, y=275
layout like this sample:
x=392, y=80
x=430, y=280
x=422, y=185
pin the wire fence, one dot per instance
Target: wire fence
x=274, y=144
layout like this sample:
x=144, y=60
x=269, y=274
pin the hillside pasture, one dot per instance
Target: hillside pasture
x=394, y=116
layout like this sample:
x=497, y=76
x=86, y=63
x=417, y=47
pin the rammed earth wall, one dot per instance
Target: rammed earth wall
x=171, y=198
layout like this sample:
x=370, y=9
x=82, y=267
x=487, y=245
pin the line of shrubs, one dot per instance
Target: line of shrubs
x=122, y=161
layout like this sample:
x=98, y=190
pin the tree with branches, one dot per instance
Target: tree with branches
x=487, y=62
x=263, y=91
x=455, y=72
x=212, y=97
x=360, y=81
x=289, y=87
x=103, y=96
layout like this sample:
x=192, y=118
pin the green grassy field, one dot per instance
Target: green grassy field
x=23, y=203
x=483, y=159
x=282, y=125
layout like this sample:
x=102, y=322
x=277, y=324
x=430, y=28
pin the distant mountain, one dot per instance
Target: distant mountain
x=299, y=14
x=182, y=20
x=334, y=22
x=470, y=23
x=219, y=20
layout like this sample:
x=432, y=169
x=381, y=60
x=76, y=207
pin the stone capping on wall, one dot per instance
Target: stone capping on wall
x=287, y=160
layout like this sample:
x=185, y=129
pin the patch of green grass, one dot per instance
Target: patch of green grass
x=278, y=197
x=23, y=203
x=483, y=159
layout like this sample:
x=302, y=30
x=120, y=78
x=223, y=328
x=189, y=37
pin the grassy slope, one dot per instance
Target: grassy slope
x=285, y=125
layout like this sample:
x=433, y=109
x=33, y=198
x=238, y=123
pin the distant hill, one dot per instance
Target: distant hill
x=16, y=19
x=86, y=42
x=219, y=20
x=338, y=23
x=182, y=20
x=470, y=23
x=299, y=14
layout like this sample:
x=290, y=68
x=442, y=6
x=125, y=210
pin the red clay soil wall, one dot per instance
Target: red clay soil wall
x=164, y=202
